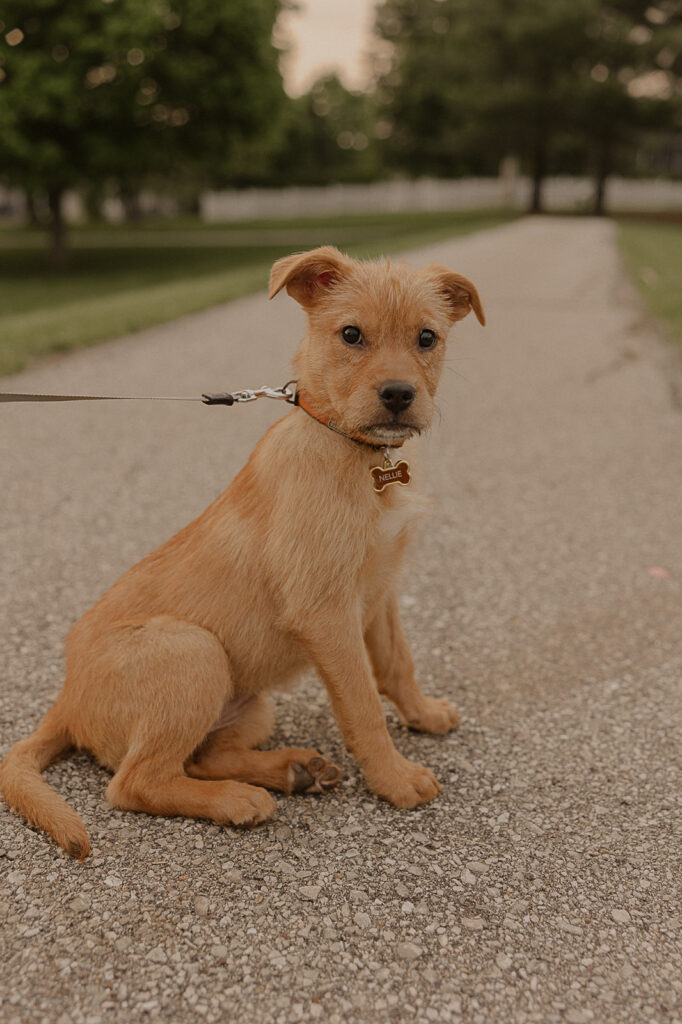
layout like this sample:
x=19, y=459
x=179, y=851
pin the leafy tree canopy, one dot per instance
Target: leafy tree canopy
x=471, y=80
x=123, y=89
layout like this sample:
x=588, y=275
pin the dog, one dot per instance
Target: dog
x=295, y=565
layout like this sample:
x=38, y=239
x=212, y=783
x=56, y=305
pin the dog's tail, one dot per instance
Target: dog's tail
x=25, y=791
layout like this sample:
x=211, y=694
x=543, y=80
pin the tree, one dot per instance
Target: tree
x=65, y=80
x=626, y=81
x=126, y=89
x=424, y=94
x=213, y=88
x=470, y=80
x=327, y=136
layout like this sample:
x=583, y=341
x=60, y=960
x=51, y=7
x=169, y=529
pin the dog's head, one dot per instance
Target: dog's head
x=375, y=344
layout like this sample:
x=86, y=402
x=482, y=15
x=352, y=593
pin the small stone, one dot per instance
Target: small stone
x=477, y=867
x=123, y=943
x=310, y=892
x=576, y=1017
x=467, y=877
x=80, y=903
x=503, y=961
x=407, y=907
x=16, y=877
x=408, y=951
x=113, y=882
x=502, y=819
x=201, y=906
x=474, y=924
x=219, y=952
x=359, y=896
x=566, y=926
x=362, y=920
x=157, y=955
x=621, y=916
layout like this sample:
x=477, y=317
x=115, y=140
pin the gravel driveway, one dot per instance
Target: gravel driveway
x=544, y=597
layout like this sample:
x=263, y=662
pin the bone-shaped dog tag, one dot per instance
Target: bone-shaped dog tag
x=384, y=476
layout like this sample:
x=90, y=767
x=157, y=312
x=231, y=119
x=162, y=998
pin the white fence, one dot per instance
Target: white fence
x=437, y=194
x=509, y=190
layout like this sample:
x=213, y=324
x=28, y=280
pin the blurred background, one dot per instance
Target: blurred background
x=157, y=155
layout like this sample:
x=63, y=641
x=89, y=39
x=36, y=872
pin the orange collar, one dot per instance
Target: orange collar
x=303, y=401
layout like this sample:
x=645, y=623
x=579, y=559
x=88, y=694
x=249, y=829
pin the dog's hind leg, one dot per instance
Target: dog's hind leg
x=253, y=726
x=144, y=786
x=180, y=673
x=289, y=770
x=393, y=668
x=226, y=754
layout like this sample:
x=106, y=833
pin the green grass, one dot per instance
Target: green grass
x=652, y=251
x=122, y=279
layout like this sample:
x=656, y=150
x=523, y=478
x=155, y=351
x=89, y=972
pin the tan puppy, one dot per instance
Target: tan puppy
x=295, y=564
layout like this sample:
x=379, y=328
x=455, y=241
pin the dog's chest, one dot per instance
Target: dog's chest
x=400, y=512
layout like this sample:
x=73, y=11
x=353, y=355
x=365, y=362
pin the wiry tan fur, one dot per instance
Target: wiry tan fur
x=296, y=563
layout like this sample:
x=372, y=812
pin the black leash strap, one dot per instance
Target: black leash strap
x=16, y=397
x=286, y=393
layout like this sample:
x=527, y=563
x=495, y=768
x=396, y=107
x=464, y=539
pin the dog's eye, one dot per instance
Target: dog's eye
x=427, y=339
x=351, y=335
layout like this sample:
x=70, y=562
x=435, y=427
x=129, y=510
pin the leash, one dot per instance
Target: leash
x=286, y=393
x=382, y=476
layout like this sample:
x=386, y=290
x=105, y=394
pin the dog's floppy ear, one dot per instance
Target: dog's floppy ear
x=460, y=293
x=307, y=275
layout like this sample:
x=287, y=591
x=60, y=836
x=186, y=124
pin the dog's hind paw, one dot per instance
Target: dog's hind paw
x=312, y=773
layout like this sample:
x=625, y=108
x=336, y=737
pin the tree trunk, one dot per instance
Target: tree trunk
x=602, y=172
x=539, y=173
x=94, y=198
x=32, y=209
x=59, y=252
x=130, y=198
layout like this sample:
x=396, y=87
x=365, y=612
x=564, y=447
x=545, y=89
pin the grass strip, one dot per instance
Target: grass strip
x=652, y=251
x=124, y=279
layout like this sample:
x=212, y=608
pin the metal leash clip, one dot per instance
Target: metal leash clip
x=286, y=393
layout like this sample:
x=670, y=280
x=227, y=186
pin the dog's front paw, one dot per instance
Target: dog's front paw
x=435, y=715
x=405, y=783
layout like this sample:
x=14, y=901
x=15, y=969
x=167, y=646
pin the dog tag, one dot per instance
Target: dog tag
x=390, y=473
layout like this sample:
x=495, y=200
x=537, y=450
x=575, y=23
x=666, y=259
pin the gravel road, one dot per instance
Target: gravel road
x=543, y=596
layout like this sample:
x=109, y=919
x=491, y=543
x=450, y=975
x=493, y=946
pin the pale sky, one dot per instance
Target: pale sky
x=326, y=35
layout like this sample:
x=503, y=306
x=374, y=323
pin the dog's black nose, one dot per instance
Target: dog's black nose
x=397, y=395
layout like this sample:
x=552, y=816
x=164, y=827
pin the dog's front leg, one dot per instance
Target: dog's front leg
x=394, y=671
x=336, y=646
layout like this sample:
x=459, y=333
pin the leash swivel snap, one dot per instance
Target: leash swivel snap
x=286, y=393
